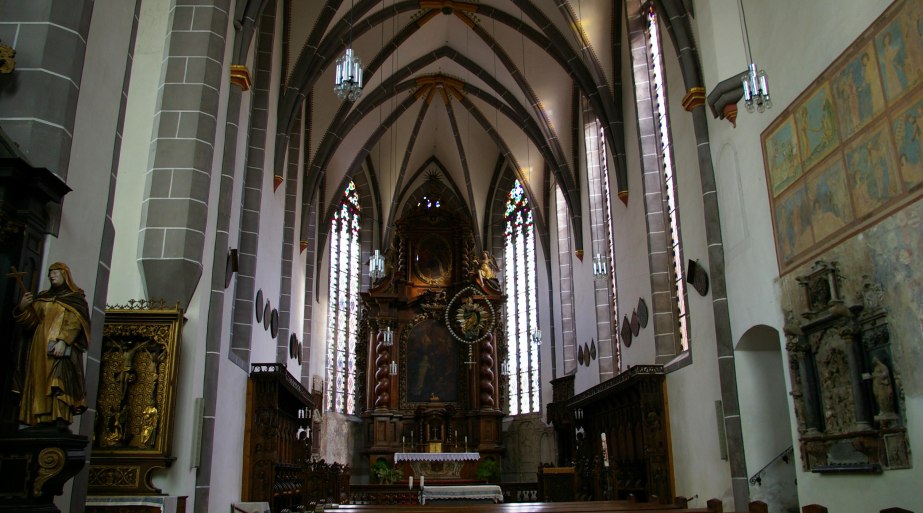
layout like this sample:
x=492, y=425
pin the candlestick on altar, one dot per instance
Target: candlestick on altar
x=411, y=483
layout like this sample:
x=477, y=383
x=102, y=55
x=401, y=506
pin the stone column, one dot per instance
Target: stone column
x=175, y=204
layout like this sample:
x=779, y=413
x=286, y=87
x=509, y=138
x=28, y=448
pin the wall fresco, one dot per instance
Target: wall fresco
x=847, y=152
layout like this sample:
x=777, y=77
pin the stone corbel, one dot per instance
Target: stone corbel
x=724, y=97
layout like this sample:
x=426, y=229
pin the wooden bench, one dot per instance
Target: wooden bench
x=618, y=506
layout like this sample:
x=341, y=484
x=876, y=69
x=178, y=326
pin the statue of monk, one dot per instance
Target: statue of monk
x=57, y=324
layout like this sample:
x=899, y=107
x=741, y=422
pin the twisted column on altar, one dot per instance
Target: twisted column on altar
x=487, y=371
x=382, y=378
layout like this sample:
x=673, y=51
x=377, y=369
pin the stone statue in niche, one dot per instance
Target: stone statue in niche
x=847, y=397
x=883, y=390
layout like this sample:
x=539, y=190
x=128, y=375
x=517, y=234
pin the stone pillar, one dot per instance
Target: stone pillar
x=176, y=195
x=38, y=100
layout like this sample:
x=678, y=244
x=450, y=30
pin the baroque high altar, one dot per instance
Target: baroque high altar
x=430, y=344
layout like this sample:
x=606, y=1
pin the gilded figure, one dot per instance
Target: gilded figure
x=57, y=326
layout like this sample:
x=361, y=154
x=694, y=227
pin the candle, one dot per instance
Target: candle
x=422, y=479
x=411, y=483
x=402, y=439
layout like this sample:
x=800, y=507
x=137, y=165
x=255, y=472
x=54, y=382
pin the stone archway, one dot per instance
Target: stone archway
x=765, y=418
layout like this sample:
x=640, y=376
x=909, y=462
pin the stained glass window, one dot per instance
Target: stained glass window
x=342, y=309
x=522, y=316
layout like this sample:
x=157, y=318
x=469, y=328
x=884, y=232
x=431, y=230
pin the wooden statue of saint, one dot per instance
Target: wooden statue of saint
x=56, y=325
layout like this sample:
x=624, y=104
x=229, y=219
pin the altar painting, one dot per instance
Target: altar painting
x=432, y=363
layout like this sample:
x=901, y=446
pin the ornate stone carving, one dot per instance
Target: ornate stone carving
x=847, y=397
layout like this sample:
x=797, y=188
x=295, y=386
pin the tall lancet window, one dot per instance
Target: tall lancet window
x=343, y=306
x=601, y=229
x=521, y=308
x=669, y=179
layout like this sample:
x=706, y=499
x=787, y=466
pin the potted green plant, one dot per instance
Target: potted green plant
x=385, y=473
x=488, y=470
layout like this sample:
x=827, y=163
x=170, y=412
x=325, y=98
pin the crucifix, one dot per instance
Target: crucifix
x=16, y=275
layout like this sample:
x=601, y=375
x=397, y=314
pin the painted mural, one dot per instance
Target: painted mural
x=848, y=150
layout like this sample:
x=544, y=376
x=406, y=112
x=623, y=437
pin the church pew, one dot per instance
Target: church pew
x=617, y=506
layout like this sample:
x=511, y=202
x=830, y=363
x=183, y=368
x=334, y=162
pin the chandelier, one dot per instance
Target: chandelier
x=377, y=266
x=599, y=266
x=348, y=84
x=348, y=80
x=756, y=89
x=755, y=84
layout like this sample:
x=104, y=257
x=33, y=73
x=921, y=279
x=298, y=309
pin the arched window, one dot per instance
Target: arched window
x=605, y=297
x=670, y=202
x=522, y=317
x=343, y=306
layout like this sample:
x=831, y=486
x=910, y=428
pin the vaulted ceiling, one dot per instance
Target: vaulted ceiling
x=461, y=90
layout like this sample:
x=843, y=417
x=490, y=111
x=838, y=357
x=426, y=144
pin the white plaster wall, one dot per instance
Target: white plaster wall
x=794, y=42
x=125, y=283
x=88, y=174
x=765, y=423
x=89, y=170
x=125, y=280
x=693, y=390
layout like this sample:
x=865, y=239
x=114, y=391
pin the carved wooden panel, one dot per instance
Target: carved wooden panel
x=623, y=445
x=135, y=403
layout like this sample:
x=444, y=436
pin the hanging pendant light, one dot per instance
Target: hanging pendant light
x=377, y=266
x=348, y=79
x=755, y=83
x=599, y=266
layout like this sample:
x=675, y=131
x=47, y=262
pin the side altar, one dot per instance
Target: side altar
x=430, y=343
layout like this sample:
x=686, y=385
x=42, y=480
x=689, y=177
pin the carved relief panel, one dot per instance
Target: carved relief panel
x=847, y=397
x=134, y=417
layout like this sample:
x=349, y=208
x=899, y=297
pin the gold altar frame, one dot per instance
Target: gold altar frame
x=135, y=403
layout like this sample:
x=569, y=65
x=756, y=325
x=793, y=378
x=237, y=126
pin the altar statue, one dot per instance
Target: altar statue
x=57, y=331
x=487, y=270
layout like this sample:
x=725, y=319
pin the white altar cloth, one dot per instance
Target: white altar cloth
x=468, y=492
x=436, y=456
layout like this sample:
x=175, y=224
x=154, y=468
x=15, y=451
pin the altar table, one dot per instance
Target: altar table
x=467, y=492
x=436, y=465
x=435, y=456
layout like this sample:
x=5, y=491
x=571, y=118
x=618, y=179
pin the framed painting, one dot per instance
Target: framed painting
x=829, y=199
x=900, y=52
x=816, y=124
x=793, y=224
x=431, y=363
x=433, y=260
x=871, y=170
x=857, y=91
x=782, y=158
x=907, y=126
